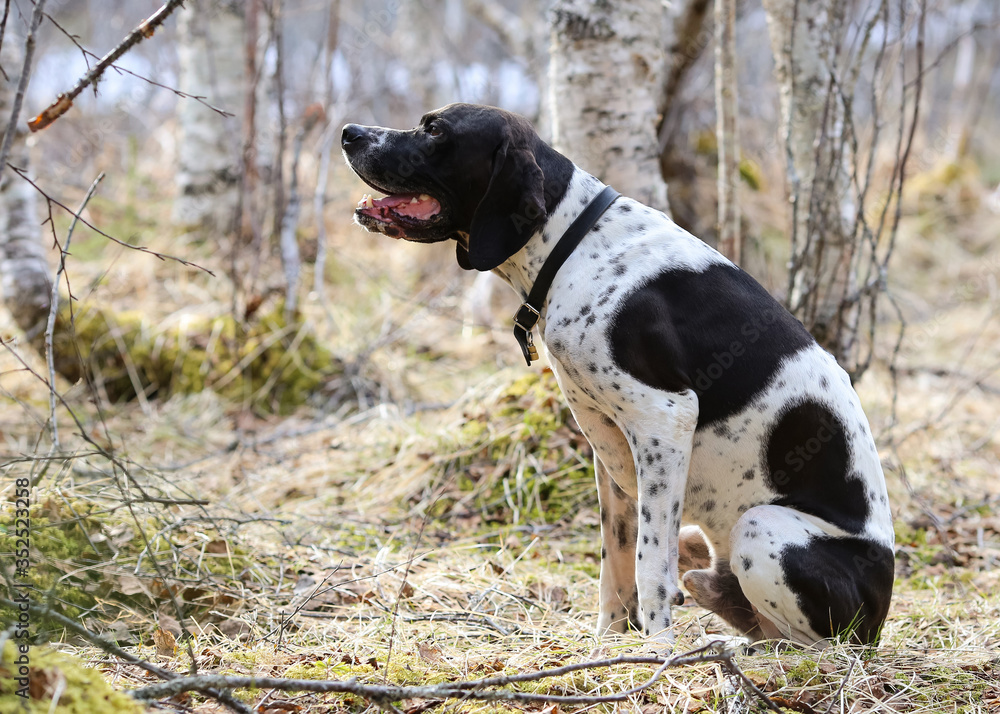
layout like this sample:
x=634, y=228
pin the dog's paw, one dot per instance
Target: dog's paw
x=693, y=551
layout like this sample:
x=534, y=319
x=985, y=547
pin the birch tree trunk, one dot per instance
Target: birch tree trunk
x=726, y=130
x=605, y=72
x=210, y=33
x=804, y=40
x=25, y=279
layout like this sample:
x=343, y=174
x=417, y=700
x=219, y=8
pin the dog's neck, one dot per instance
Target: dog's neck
x=521, y=269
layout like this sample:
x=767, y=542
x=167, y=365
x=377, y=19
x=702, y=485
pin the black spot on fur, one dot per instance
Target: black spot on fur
x=716, y=332
x=842, y=585
x=808, y=464
x=622, y=532
x=747, y=563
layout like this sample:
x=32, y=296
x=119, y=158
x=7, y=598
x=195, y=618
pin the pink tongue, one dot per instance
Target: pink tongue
x=404, y=205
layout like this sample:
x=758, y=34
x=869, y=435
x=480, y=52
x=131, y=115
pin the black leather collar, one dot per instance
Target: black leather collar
x=527, y=315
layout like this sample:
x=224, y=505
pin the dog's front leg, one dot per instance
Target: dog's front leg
x=613, y=464
x=661, y=443
x=618, y=604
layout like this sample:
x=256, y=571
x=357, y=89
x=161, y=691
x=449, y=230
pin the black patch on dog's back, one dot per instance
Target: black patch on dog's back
x=808, y=465
x=717, y=332
x=843, y=585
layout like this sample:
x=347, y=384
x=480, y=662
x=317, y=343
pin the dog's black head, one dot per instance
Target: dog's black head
x=477, y=174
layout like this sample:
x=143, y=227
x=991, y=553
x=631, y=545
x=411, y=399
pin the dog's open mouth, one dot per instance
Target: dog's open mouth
x=395, y=214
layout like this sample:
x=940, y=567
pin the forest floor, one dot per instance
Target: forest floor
x=440, y=524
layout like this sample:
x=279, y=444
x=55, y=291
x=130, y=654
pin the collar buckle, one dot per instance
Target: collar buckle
x=525, y=320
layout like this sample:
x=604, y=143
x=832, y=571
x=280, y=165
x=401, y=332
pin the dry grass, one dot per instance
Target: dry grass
x=440, y=526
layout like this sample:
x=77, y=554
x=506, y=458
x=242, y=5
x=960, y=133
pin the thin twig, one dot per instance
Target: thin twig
x=50, y=326
x=64, y=101
x=142, y=249
x=87, y=55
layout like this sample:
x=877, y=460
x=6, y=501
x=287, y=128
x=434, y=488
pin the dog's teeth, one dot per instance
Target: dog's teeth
x=366, y=201
x=414, y=200
x=424, y=197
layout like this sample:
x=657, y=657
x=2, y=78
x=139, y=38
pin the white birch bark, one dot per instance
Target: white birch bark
x=605, y=68
x=726, y=129
x=25, y=278
x=211, y=34
x=804, y=36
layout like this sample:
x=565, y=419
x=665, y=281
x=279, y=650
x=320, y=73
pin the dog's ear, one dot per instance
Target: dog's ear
x=512, y=209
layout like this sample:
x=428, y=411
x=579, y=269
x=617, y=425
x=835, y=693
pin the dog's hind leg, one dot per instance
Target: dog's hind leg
x=693, y=551
x=718, y=590
x=808, y=580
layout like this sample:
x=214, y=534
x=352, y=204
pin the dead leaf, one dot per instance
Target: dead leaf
x=131, y=585
x=217, y=547
x=794, y=704
x=42, y=683
x=552, y=594
x=166, y=643
x=429, y=653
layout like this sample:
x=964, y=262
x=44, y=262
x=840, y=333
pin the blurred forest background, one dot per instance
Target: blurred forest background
x=259, y=440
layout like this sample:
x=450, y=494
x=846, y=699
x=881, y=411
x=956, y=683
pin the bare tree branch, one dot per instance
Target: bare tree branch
x=480, y=689
x=88, y=55
x=50, y=326
x=64, y=101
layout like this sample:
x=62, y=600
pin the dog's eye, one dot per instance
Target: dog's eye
x=434, y=130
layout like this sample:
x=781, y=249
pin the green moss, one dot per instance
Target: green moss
x=84, y=561
x=801, y=673
x=80, y=689
x=67, y=546
x=274, y=365
x=521, y=458
x=751, y=174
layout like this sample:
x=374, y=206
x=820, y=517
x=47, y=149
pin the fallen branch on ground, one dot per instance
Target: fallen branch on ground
x=481, y=689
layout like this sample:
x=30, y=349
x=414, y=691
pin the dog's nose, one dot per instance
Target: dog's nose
x=352, y=135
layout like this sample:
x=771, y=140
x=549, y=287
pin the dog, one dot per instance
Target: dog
x=705, y=401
